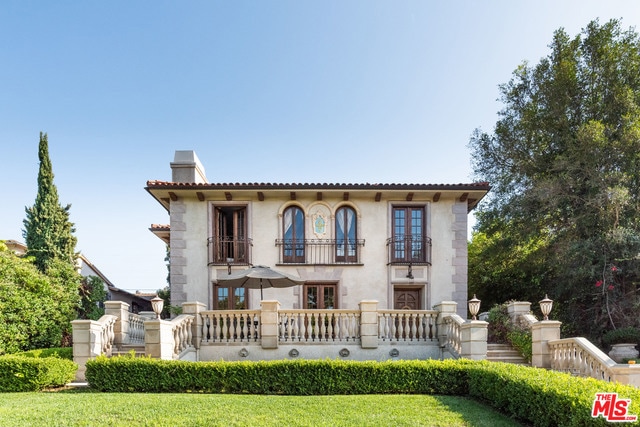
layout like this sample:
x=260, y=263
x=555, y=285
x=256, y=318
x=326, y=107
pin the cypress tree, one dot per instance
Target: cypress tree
x=48, y=232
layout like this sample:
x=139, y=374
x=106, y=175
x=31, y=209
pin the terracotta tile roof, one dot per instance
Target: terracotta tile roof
x=159, y=227
x=155, y=184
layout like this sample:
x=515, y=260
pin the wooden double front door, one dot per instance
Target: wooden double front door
x=407, y=299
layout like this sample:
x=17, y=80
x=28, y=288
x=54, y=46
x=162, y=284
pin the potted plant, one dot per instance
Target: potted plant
x=623, y=343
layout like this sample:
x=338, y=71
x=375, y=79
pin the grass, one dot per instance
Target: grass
x=85, y=408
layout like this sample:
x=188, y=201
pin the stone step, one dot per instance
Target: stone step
x=504, y=353
x=126, y=349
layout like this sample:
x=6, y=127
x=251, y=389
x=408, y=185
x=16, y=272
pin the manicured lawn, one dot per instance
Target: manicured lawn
x=85, y=408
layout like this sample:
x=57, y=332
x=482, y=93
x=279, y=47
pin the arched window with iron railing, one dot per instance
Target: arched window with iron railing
x=346, y=235
x=293, y=235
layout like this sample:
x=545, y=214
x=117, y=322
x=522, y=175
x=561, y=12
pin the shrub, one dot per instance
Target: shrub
x=502, y=330
x=622, y=336
x=34, y=374
x=543, y=397
x=59, y=352
x=298, y=377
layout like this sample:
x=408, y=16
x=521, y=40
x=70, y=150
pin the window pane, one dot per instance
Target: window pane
x=312, y=297
x=329, y=297
x=223, y=298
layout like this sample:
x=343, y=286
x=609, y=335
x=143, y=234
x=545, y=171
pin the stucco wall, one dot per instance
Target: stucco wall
x=191, y=225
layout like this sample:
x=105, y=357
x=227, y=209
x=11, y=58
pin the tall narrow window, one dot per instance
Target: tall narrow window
x=293, y=233
x=346, y=243
x=230, y=234
x=409, y=239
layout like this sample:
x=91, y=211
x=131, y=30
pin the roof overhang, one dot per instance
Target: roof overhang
x=164, y=192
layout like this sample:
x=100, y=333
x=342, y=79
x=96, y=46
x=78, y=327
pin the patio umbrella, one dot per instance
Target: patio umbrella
x=260, y=276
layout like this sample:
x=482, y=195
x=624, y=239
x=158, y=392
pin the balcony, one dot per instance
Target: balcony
x=409, y=249
x=228, y=250
x=319, y=251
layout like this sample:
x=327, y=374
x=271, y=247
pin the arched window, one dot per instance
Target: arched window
x=293, y=233
x=346, y=239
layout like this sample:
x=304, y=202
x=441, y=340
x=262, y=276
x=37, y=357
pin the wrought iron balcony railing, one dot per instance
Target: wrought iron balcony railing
x=409, y=249
x=227, y=250
x=320, y=251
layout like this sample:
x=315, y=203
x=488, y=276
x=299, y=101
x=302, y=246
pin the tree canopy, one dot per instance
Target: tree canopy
x=35, y=309
x=564, y=164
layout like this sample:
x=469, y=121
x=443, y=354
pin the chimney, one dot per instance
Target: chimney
x=186, y=167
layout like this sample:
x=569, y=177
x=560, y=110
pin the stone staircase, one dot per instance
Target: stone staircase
x=504, y=353
x=125, y=349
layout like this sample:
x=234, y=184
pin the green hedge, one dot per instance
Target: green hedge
x=299, y=377
x=34, y=374
x=60, y=352
x=536, y=396
x=543, y=397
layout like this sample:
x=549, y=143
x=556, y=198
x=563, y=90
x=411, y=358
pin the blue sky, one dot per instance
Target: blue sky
x=263, y=91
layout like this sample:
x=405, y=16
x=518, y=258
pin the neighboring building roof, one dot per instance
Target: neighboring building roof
x=21, y=249
x=472, y=193
x=15, y=246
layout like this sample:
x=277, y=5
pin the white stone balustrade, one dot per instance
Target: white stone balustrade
x=136, y=329
x=90, y=339
x=453, y=331
x=407, y=325
x=224, y=326
x=318, y=325
x=182, y=335
x=578, y=356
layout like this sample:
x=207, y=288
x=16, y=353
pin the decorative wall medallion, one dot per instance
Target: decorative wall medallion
x=243, y=352
x=294, y=353
x=394, y=352
x=319, y=225
x=344, y=352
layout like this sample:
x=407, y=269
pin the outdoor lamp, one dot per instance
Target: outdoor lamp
x=157, y=304
x=474, y=307
x=545, y=306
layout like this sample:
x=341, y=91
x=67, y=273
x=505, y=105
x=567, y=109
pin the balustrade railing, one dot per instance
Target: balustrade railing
x=579, y=356
x=182, y=336
x=107, y=333
x=319, y=325
x=136, y=329
x=224, y=326
x=320, y=251
x=453, y=324
x=407, y=325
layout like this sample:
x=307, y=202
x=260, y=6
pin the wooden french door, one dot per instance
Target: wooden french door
x=320, y=296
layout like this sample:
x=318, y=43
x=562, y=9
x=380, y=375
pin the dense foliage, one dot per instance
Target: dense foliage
x=563, y=160
x=538, y=396
x=92, y=298
x=501, y=330
x=59, y=352
x=35, y=309
x=34, y=374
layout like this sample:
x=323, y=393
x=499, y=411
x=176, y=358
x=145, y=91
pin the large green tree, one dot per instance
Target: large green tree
x=564, y=164
x=48, y=231
x=51, y=244
x=35, y=309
